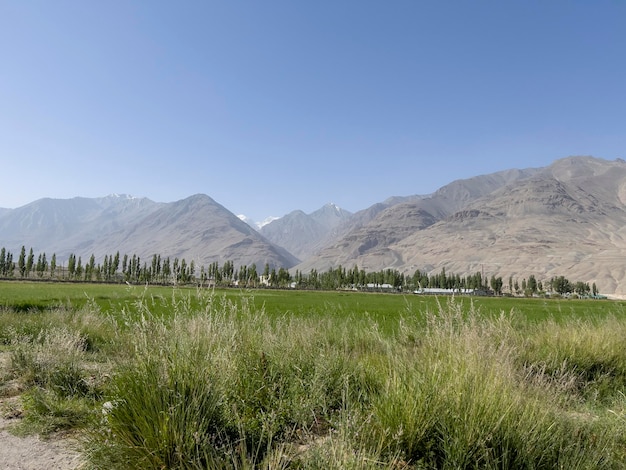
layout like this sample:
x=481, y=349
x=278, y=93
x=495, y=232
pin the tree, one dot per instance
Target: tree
x=125, y=266
x=284, y=278
x=71, y=265
x=252, y=275
x=496, y=284
x=135, y=268
x=30, y=262
x=155, y=266
x=6, y=263
x=561, y=285
x=166, y=269
x=90, y=267
x=21, y=262
x=3, y=262
x=228, y=269
x=79, y=268
x=9, y=265
x=42, y=264
x=53, y=264
x=581, y=288
x=113, y=267
x=105, y=267
x=182, y=273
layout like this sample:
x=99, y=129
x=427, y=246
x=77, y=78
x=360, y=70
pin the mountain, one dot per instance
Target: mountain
x=565, y=219
x=63, y=226
x=367, y=236
x=196, y=228
x=302, y=234
x=568, y=218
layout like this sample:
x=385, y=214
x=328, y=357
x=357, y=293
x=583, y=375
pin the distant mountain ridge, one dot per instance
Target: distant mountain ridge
x=196, y=228
x=568, y=218
x=565, y=219
x=302, y=234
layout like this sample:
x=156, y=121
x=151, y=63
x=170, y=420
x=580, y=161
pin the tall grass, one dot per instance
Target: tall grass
x=228, y=386
x=219, y=383
x=459, y=400
x=592, y=352
x=52, y=361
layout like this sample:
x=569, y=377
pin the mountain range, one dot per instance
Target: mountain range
x=568, y=219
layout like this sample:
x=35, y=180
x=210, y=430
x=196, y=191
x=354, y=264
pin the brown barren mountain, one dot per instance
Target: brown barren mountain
x=196, y=228
x=200, y=230
x=566, y=219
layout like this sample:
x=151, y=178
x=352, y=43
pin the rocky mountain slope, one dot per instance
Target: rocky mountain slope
x=196, y=228
x=566, y=219
x=64, y=226
x=199, y=229
x=366, y=237
x=303, y=234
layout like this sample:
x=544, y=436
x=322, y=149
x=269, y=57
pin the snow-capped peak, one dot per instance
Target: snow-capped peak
x=256, y=225
x=266, y=221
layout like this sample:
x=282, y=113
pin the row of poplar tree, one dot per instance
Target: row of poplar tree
x=163, y=270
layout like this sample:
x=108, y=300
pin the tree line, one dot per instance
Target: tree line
x=166, y=271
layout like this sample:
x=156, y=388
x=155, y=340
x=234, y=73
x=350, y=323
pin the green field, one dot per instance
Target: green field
x=187, y=378
x=113, y=298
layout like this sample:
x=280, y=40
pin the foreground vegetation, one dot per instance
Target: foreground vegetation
x=217, y=381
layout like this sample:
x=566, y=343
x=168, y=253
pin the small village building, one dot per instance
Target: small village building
x=440, y=291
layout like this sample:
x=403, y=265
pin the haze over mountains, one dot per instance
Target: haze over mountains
x=565, y=219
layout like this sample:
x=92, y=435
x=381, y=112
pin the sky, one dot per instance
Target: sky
x=272, y=106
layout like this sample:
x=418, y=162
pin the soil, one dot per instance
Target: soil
x=33, y=453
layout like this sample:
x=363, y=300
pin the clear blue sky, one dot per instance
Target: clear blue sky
x=271, y=106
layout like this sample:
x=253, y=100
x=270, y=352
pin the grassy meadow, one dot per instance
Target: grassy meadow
x=156, y=377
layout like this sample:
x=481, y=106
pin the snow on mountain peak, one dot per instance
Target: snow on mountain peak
x=257, y=225
x=267, y=220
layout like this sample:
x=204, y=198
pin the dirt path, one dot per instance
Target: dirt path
x=32, y=453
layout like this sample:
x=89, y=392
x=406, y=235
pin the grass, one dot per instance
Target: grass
x=186, y=379
x=115, y=299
